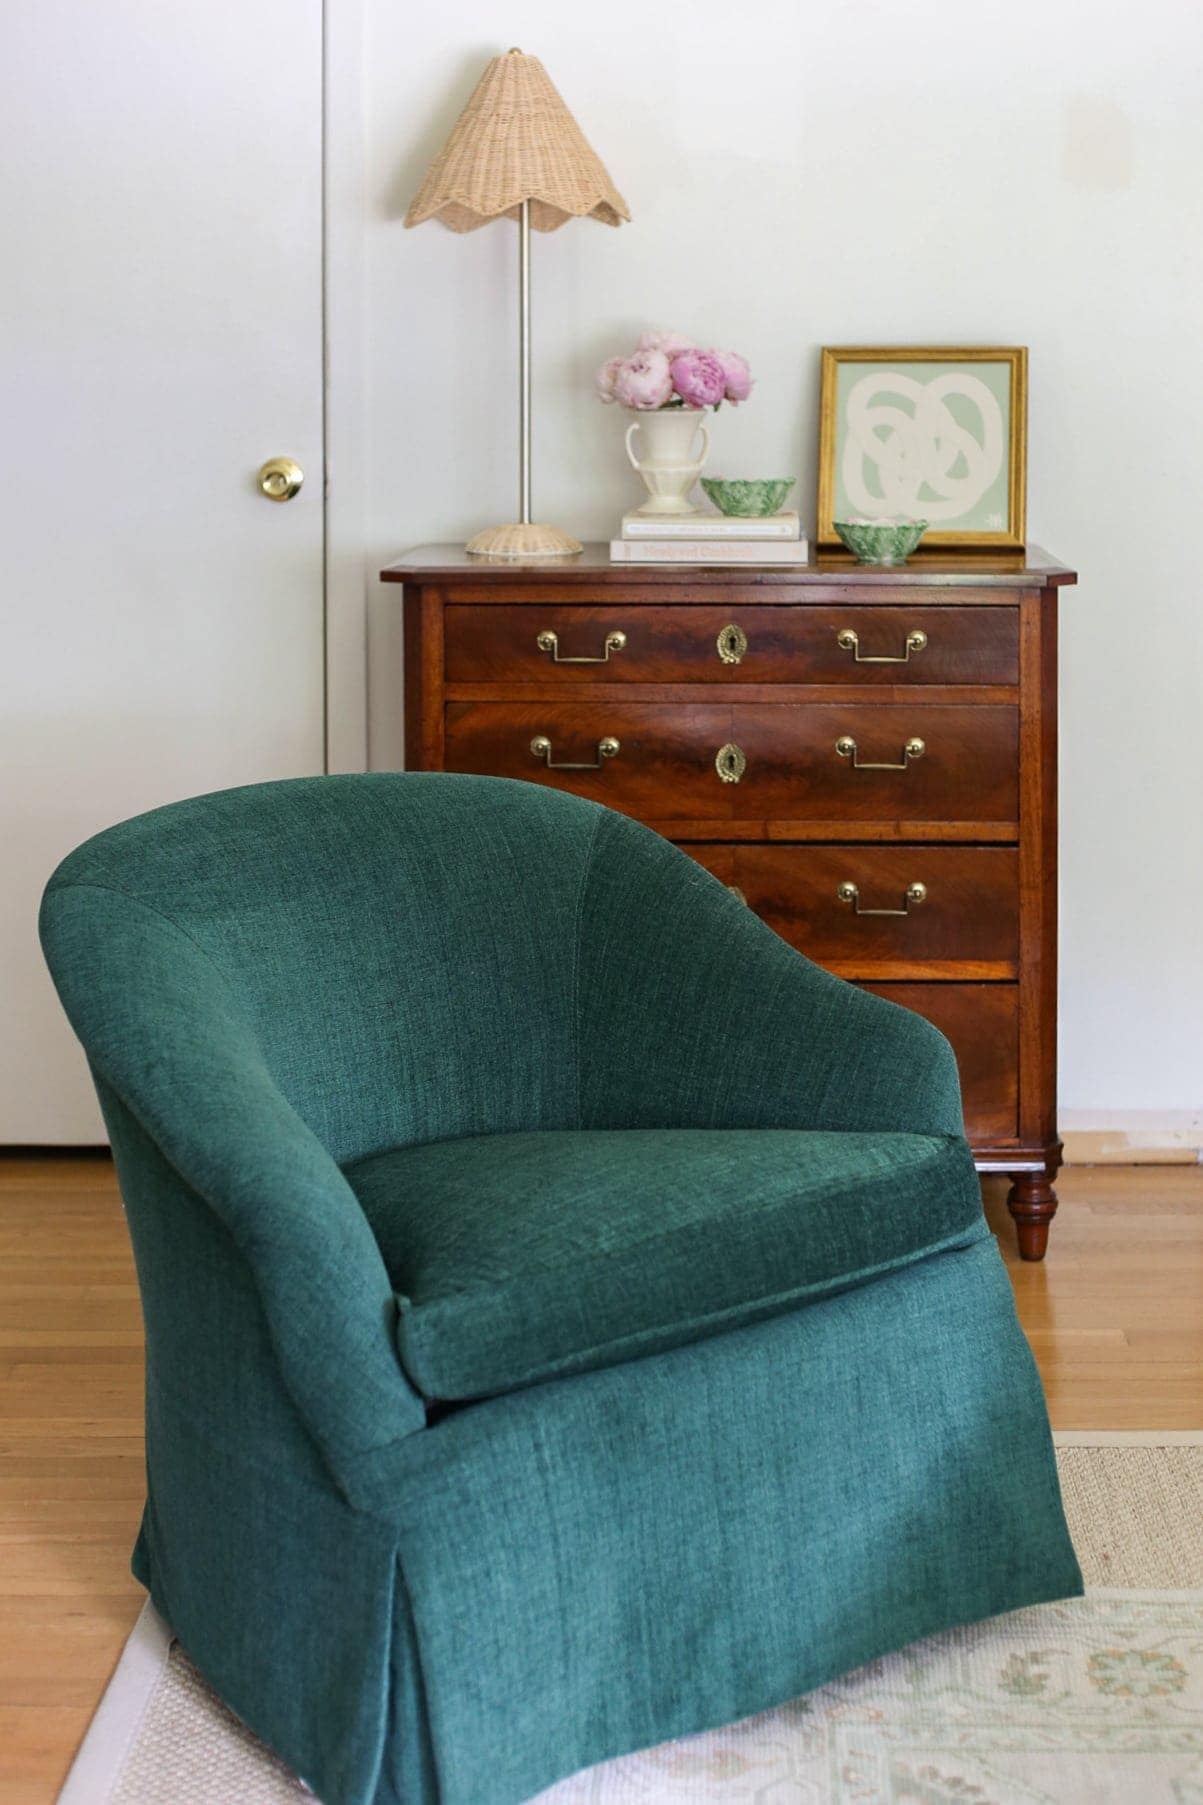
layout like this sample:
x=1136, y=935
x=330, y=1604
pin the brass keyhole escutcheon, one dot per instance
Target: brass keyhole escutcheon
x=730, y=761
x=731, y=644
x=280, y=479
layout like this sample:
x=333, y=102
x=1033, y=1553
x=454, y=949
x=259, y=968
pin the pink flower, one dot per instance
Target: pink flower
x=699, y=378
x=738, y=375
x=603, y=382
x=643, y=381
x=671, y=343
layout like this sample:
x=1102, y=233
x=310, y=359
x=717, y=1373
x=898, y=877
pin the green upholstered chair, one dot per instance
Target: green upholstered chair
x=570, y=1317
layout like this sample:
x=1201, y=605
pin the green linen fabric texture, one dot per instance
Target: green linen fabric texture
x=717, y=1501
x=522, y=1257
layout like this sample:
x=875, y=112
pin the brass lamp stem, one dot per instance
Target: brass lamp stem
x=524, y=358
x=524, y=539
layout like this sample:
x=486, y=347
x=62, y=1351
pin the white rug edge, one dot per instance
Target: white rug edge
x=1128, y=1438
x=114, y=1729
x=1111, y=1594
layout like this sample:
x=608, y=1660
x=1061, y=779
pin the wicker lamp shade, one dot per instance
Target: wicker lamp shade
x=516, y=152
x=516, y=141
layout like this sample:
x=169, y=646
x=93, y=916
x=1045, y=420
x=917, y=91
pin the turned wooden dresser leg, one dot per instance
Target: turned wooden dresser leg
x=1032, y=1201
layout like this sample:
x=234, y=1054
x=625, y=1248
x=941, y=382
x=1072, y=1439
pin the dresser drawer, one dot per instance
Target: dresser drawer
x=647, y=760
x=982, y=1022
x=566, y=643
x=842, y=763
x=860, y=762
x=883, y=911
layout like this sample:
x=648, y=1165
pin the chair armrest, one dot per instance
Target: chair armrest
x=692, y=1012
x=165, y=1034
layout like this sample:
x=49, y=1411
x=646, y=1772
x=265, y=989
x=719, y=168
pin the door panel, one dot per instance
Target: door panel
x=162, y=297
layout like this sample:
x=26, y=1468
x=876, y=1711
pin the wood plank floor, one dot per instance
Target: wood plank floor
x=1115, y=1316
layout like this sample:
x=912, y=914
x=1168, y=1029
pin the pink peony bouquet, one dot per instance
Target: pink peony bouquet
x=667, y=370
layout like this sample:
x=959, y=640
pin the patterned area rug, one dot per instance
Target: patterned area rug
x=1098, y=1701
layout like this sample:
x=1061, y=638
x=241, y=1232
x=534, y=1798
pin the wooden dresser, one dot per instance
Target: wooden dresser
x=868, y=758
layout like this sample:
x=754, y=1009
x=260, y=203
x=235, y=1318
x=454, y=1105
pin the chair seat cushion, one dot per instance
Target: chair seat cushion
x=522, y=1257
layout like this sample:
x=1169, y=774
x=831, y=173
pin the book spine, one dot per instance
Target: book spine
x=712, y=529
x=706, y=551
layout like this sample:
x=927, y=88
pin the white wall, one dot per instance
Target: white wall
x=1002, y=171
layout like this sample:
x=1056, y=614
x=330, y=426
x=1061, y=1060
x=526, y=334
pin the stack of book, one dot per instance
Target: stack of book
x=708, y=537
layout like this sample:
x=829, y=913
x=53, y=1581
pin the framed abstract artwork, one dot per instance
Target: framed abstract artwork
x=934, y=432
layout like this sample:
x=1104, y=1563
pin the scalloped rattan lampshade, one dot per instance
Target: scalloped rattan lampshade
x=516, y=141
x=516, y=152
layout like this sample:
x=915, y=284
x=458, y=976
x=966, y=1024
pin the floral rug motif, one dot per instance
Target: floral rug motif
x=1097, y=1701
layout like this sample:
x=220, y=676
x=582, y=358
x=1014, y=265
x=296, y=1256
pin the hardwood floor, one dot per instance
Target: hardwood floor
x=71, y=1480
x=1115, y=1316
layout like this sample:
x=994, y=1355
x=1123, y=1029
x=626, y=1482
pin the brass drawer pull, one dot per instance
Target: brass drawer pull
x=541, y=747
x=846, y=747
x=731, y=644
x=849, y=642
x=915, y=893
x=730, y=761
x=547, y=641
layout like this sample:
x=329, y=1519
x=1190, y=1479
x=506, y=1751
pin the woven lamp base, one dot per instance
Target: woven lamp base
x=523, y=541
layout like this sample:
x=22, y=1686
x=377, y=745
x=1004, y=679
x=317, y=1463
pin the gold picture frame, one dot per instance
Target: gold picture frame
x=986, y=522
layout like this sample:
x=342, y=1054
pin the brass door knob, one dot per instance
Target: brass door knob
x=279, y=479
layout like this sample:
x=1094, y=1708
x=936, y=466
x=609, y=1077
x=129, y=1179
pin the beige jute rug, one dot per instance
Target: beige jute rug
x=1098, y=1701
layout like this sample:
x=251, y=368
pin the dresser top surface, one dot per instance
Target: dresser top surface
x=1033, y=568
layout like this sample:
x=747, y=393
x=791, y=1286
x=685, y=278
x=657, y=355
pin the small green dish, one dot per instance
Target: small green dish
x=881, y=542
x=748, y=498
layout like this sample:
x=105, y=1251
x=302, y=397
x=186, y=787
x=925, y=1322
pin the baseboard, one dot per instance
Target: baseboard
x=81, y=1150
x=1132, y=1137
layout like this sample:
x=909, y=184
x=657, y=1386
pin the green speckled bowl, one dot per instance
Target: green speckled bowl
x=882, y=542
x=748, y=498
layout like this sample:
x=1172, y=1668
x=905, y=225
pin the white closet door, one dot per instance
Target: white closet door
x=161, y=323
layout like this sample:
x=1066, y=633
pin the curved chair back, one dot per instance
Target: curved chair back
x=422, y=956
x=401, y=946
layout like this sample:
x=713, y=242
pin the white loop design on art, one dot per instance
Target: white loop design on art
x=916, y=448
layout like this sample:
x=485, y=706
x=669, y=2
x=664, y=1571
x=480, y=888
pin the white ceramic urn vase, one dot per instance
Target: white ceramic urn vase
x=672, y=446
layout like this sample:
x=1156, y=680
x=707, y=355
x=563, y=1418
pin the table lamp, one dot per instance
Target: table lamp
x=517, y=153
